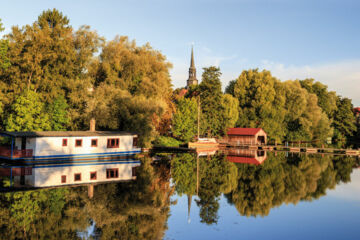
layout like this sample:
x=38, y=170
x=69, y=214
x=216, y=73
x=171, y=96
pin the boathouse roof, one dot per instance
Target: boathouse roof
x=67, y=133
x=243, y=131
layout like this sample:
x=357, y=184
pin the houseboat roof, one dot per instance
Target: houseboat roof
x=67, y=133
x=243, y=131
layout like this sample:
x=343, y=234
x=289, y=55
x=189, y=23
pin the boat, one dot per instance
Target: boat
x=57, y=145
x=208, y=143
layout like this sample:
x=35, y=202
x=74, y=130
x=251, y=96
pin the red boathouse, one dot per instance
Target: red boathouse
x=247, y=136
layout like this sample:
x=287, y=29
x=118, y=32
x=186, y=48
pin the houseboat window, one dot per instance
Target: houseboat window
x=63, y=179
x=112, y=173
x=64, y=142
x=135, y=142
x=94, y=142
x=92, y=175
x=78, y=142
x=77, y=177
x=113, y=143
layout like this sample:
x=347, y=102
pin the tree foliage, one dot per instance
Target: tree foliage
x=285, y=110
x=27, y=114
x=185, y=119
x=211, y=97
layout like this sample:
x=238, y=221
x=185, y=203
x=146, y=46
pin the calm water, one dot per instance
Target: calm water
x=233, y=195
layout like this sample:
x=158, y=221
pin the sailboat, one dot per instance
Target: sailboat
x=205, y=144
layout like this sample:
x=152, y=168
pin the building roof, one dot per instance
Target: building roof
x=357, y=110
x=67, y=133
x=243, y=131
x=246, y=160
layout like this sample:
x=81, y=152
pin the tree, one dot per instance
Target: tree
x=344, y=119
x=185, y=119
x=4, y=60
x=211, y=96
x=52, y=59
x=230, y=87
x=326, y=99
x=58, y=114
x=28, y=114
x=261, y=102
x=230, y=107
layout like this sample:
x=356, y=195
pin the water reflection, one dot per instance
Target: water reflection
x=135, y=209
x=255, y=186
x=139, y=208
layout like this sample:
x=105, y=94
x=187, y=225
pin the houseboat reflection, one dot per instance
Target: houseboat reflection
x=77, y=173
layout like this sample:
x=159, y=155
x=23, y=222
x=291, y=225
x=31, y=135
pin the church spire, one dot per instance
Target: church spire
x=192, y=71
x=192, y=64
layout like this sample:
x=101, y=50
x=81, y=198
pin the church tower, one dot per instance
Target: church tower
x=192, y=72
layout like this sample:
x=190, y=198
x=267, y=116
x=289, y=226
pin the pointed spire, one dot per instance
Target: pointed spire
x=192, y=71
x=192, y=64
x=189, y=207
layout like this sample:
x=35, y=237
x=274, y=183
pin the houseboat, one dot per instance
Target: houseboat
x=31, y=146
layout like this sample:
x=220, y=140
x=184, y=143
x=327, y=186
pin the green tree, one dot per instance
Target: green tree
x=344, y=120
x=261, y=101
x=28, y=114
x=52, y=59
x=185, y=119
x=326, y=99
x=4, y=60
x=211, y=96
x=58, y=114
x=230, y=107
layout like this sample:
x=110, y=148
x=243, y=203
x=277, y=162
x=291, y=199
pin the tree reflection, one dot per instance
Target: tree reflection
x=128, y=210
x=255, y=189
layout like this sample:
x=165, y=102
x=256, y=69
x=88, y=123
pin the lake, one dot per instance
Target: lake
x=210, y=195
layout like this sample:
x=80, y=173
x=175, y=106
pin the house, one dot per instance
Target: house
x=247, y=136
x=246, y=156
x=68, y=144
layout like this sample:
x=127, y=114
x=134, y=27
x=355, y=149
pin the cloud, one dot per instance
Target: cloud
x=342, y=77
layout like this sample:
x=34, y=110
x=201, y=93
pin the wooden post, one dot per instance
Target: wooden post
x=92, y=125
x=90, y=191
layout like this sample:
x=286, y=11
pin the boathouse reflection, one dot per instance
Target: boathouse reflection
x=238, y=155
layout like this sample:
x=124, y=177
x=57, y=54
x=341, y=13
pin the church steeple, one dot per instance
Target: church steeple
x=192, y=71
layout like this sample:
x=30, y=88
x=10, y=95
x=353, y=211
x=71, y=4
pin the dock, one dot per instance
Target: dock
x=282, y=148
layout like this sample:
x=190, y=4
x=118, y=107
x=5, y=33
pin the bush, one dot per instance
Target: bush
x=166, y=142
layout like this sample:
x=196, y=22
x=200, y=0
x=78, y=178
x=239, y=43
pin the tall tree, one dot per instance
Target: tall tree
x=230, y=107
x=344, y=121
x=52, y=59
x=211, y=97
x=185, y=119
x=261, y=101
x=4, y=60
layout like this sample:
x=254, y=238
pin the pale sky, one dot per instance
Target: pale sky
x=293, y=39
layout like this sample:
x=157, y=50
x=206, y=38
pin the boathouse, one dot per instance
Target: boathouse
x=68, y=144
x=247, y=136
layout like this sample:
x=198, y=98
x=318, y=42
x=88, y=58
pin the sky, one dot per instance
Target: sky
x=301, y=39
